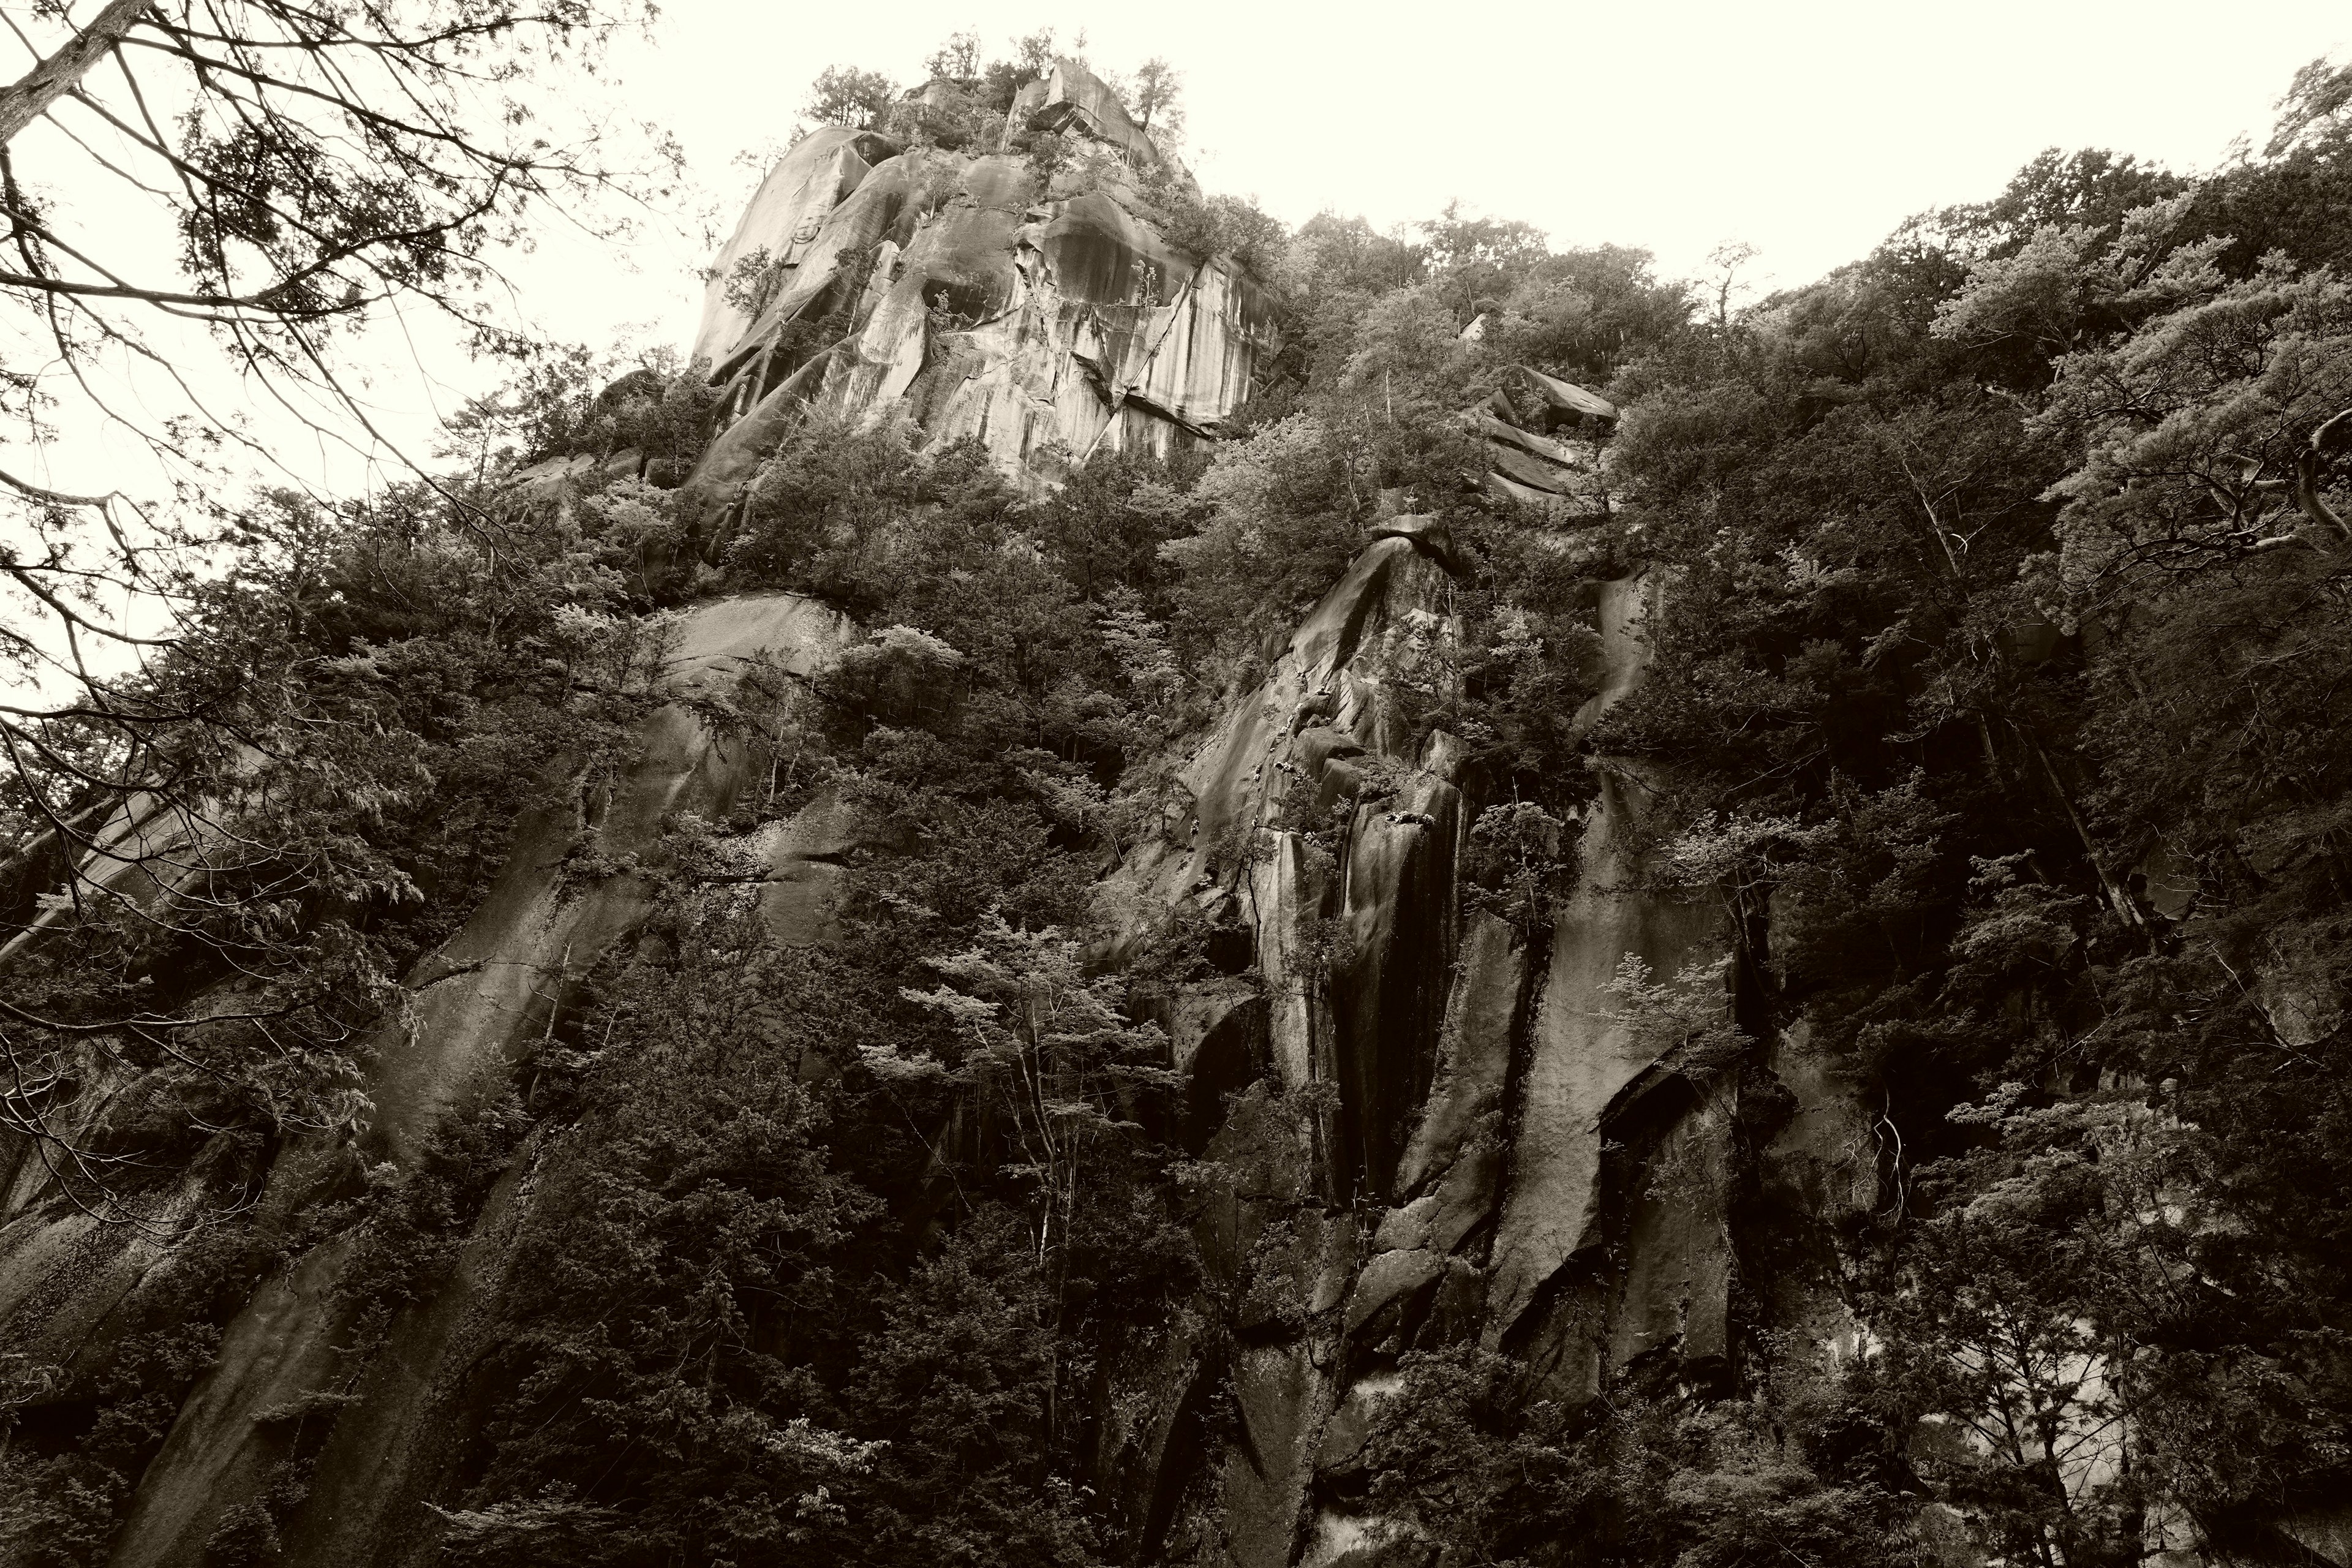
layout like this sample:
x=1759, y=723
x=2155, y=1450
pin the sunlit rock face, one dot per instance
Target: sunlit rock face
x=979, y=298
x=786, y=215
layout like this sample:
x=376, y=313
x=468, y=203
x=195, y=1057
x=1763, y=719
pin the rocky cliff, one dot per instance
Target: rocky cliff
x=1428, y=1120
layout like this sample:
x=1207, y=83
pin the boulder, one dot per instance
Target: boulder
x=1073, y=101
x=1560, y=404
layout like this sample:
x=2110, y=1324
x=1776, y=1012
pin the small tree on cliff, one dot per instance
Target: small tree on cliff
x=843, y=95
x=957, y=59
x=1052, y=1051
x=1157, y=97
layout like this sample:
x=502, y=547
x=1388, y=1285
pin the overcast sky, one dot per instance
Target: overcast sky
x=1807, y=129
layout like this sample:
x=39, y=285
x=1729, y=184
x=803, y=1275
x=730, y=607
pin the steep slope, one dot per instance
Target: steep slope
x=1506, y=1159
x=491, y=992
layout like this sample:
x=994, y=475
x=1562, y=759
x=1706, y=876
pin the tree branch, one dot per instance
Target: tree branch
x=2310, y=464
x=53, y=77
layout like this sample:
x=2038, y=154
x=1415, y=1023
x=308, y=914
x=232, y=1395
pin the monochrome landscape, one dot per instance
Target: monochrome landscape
x=1110, y=882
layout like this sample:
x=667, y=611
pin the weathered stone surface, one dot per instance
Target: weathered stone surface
x=479, y=1001
x=1532, y=473
x=1029, y=320
x=1154, y=1382
x=797, y=901
x=396, y=1446
x=1483, y=423
x=728, y=464
x=1265, y=1160
x=1387, y=1290
x=785, y=218
x=1388, y=994
x=1564, y=403
x=1282, y=1399
x=1430, y=535
x=1218, y=1038
x=68, y=1280
x=1111, y=340
x=278, y=1349
x=1288, y=895
x=1473, y=1050
x=1238, y=777
x=2303, y=1008
x=801, y=862
x=1822, y=1163
x=1459, y=1207
x=1525, y=495
x=1073, y=98
x=2325, y=1533
x=2169, y=880
x=138, y=836
x=1678, y=1265
x=1584, y=1053
x=489, y=988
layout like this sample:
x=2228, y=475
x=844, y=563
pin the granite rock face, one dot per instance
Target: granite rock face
x=980, y=297
x=1459, y=1137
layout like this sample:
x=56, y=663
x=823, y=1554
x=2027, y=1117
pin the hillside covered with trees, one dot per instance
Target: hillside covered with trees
x=1583, y=926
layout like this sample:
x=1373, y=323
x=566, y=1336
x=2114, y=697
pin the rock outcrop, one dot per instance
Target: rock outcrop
x=1499, y=1157
x=986, y=296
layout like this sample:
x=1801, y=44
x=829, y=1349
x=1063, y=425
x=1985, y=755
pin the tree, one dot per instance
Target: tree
x=1053, y=1052
x=843, y=95
x=2315, y=107
x=2216, y=429
x=1033, y=53
x=1474, y=258
x=957, y=58
x=1159, y=100
x=301, y=172
x=351, y=717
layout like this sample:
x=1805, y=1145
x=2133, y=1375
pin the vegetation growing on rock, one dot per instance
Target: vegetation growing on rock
x=1059, y=1091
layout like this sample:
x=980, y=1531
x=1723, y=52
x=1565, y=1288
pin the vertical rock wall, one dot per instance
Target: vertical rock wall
x=1456, y=1137
x=67, y=1282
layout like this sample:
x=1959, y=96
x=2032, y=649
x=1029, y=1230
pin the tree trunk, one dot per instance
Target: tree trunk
x=52, y=78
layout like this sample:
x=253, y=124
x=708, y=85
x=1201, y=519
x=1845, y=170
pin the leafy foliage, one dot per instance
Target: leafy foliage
x=1990, y=551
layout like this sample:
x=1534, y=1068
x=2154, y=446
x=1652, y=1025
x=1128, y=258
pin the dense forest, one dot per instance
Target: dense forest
x=1988, y=700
